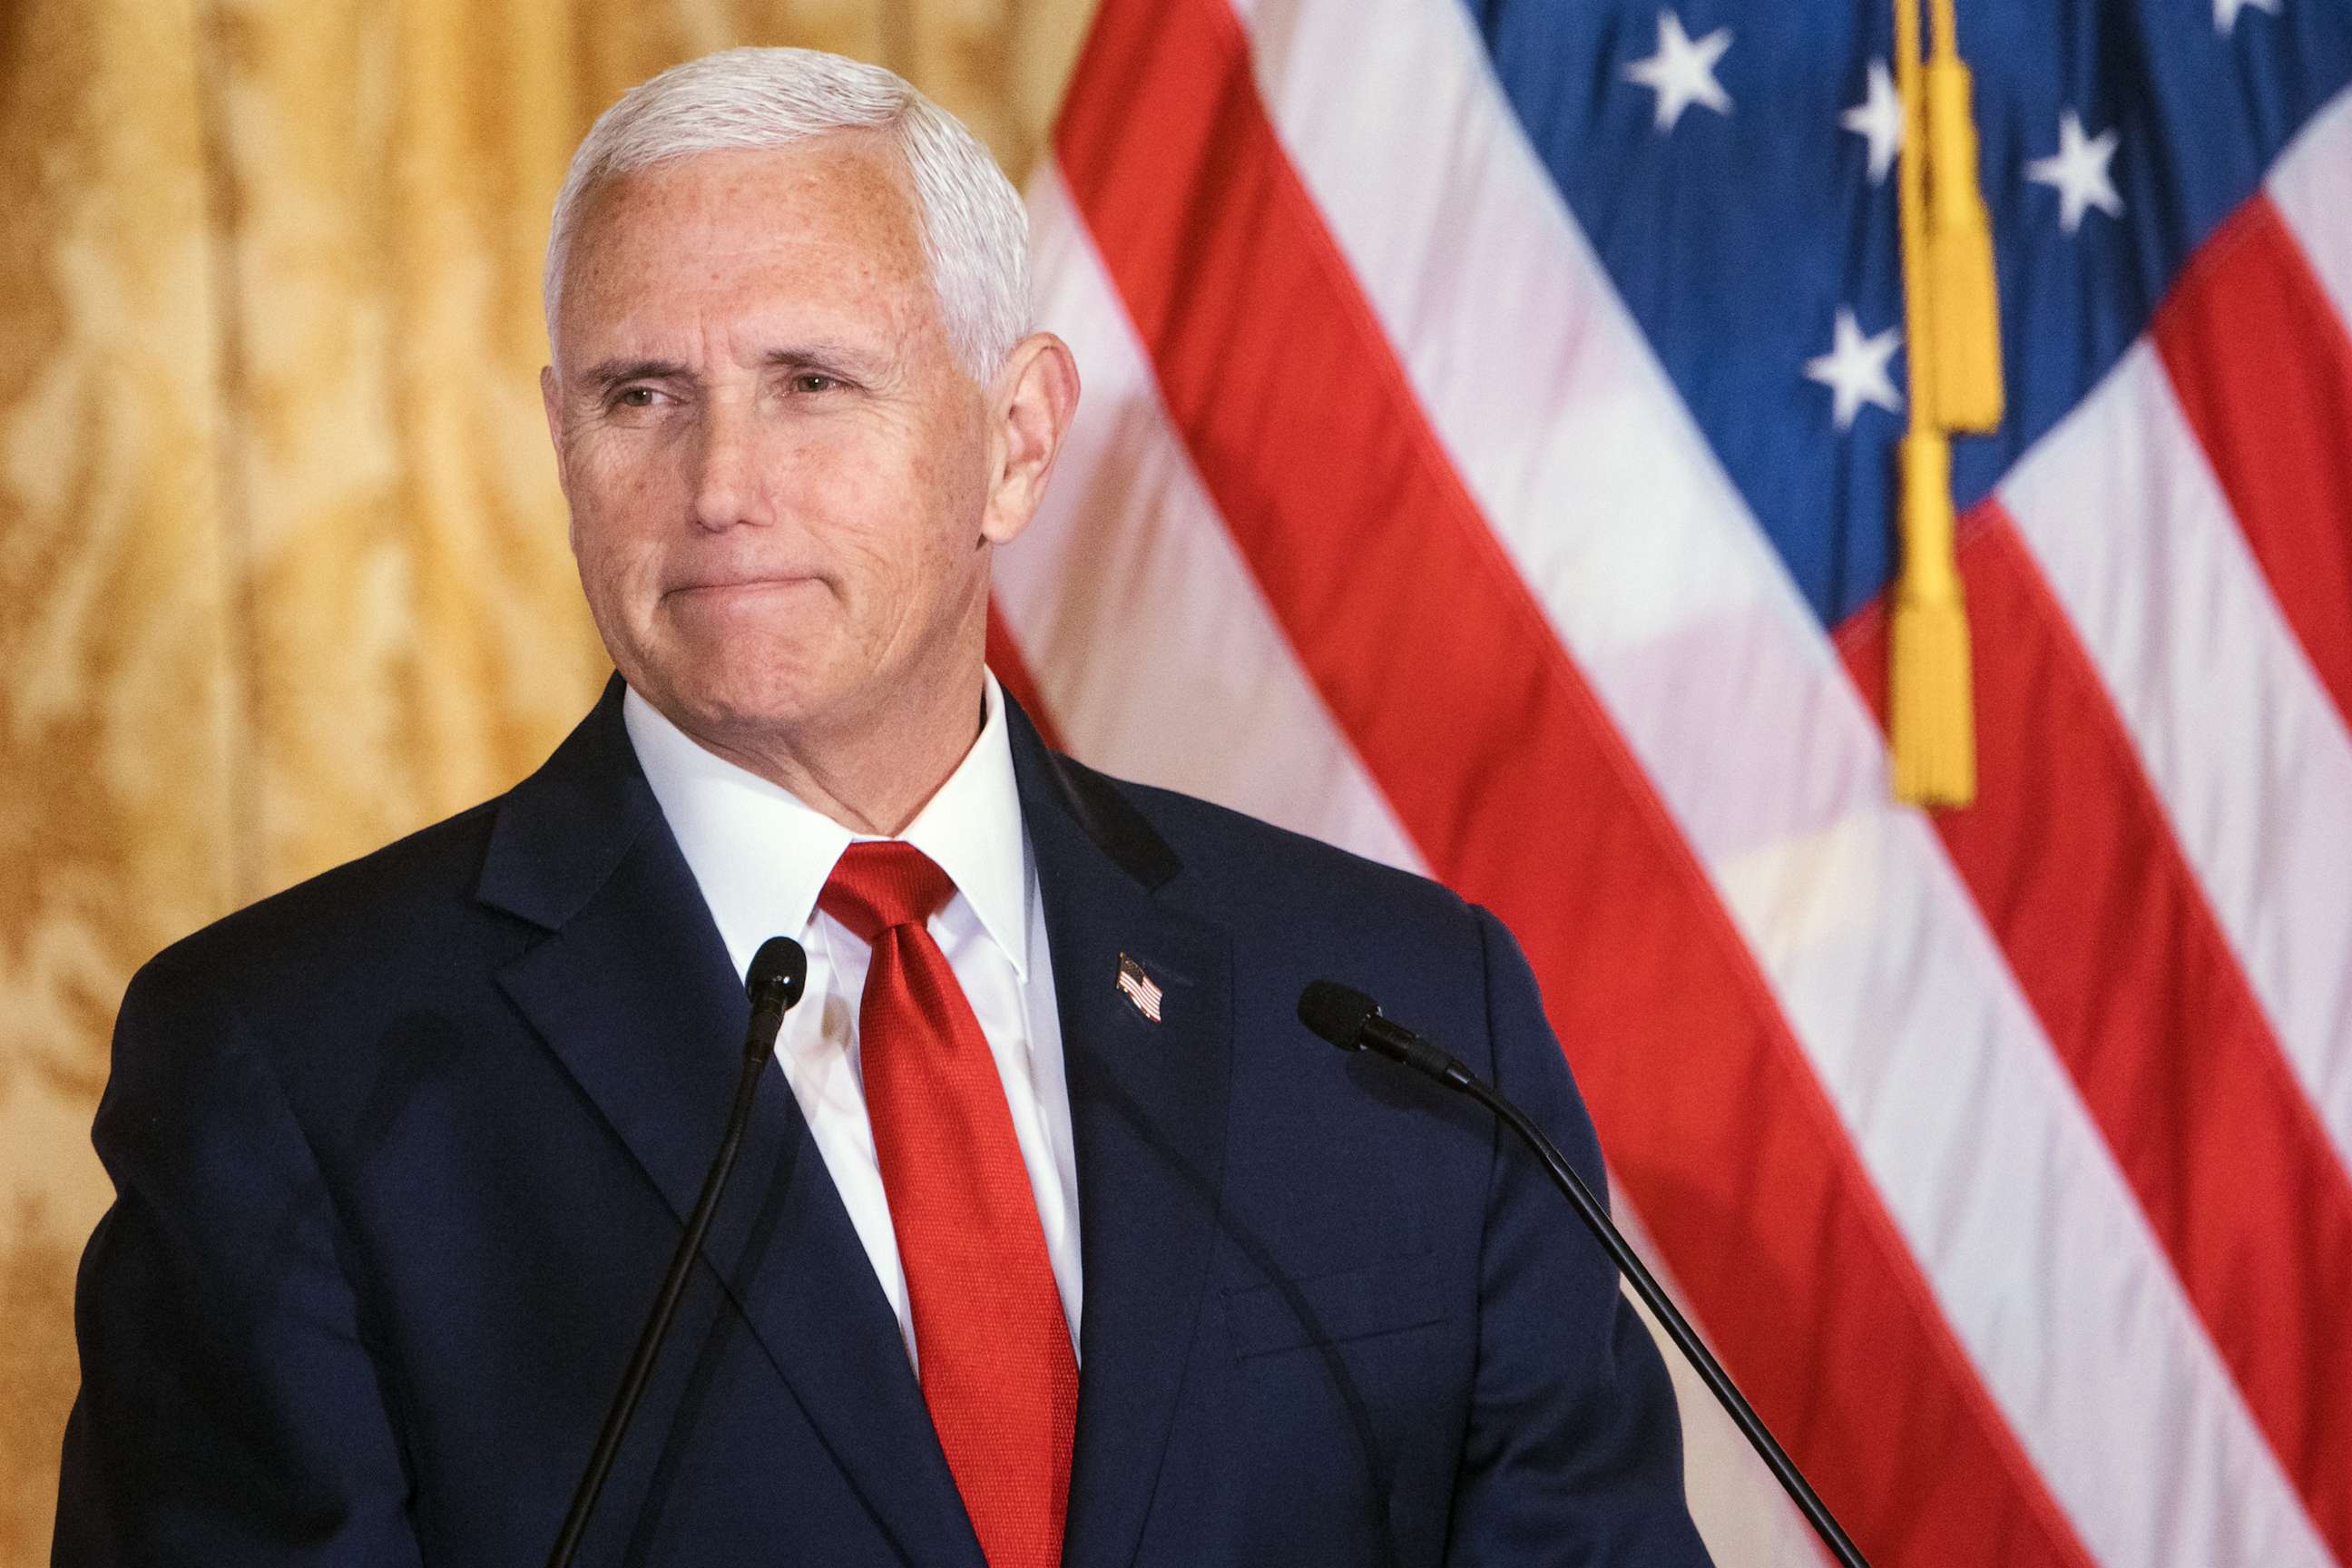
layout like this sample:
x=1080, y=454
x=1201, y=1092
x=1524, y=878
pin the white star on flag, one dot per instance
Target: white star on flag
x=2078, y=171
x=1683, y=71
x=1878, y=119
x=2225, y=12
x=1854, y=370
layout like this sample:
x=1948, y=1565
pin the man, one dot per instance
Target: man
x=1057, y=1240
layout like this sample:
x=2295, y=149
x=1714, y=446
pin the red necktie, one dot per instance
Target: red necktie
x=994, y=1349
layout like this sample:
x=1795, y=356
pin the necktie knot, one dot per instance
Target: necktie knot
x=883, y=883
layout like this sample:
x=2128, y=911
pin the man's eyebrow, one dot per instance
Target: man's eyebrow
x=606, y=375
x=818, y=355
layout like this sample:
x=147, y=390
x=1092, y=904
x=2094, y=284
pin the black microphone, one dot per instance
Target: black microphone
x=779, y=973
x=1352, y=1021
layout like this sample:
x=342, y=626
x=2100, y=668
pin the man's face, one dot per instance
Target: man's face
x=784, y=487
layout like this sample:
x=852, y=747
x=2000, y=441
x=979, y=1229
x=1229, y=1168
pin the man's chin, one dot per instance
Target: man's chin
x=728, y=706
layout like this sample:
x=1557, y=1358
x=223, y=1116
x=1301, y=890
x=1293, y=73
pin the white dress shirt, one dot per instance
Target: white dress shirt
x=761, y=857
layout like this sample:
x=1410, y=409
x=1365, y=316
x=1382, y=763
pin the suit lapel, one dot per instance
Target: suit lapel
x=1147, y=1105
x=633, y=991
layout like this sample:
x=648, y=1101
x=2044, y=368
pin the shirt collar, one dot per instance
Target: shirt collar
x=761, y=855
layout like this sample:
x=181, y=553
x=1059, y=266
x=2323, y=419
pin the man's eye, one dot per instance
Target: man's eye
x=634, y=397
x=813, y=380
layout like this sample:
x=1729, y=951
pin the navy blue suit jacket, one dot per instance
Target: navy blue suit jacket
x=400, y=1156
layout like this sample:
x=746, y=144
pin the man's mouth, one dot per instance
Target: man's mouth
x=723, y=586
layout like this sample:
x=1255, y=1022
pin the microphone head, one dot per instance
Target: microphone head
x=1338, y=1012
x=780, y=969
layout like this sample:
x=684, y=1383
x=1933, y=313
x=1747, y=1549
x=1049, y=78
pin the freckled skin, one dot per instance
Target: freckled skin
x=784, y=490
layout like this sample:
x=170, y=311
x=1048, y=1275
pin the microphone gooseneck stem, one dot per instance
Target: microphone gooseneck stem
x=1710, y=1371
x=766, y=1019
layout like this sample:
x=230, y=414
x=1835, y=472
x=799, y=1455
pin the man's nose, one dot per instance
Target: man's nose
x=726, y=480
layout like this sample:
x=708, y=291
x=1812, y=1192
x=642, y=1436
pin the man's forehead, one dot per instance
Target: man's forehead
x=853, y=182
x=835, y=213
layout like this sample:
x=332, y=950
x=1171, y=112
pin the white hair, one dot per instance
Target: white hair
x=975, y=229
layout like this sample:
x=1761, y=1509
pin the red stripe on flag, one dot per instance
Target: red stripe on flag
x=2262, y=367
x=1511, y=780
x=2071, y=857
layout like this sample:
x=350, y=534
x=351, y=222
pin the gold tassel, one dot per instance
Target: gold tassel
x=1952, y=330
x=1961, y=289
x=1930, y=712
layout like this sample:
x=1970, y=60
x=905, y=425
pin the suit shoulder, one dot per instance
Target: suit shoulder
x=354, y=917
x=1229, y=856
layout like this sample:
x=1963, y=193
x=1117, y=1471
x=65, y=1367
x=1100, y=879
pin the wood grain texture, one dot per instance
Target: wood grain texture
x=283, y=568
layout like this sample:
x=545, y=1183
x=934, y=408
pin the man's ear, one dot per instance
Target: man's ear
x=552, y=406
x=1036, y=396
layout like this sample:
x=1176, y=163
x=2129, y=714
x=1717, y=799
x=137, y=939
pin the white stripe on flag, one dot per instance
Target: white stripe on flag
x=2123, y=515
x=1650, y=568
x=2308, y=186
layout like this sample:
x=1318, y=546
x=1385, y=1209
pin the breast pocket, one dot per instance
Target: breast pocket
x=1386, y=1298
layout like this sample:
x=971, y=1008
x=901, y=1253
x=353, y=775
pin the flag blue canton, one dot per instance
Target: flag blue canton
x=1719, y=156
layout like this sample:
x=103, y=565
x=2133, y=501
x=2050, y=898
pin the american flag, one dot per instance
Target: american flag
x=1485, y=463
x=1138, y=987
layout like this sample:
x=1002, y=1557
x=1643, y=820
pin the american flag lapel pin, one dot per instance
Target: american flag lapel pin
x=1138, y=987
